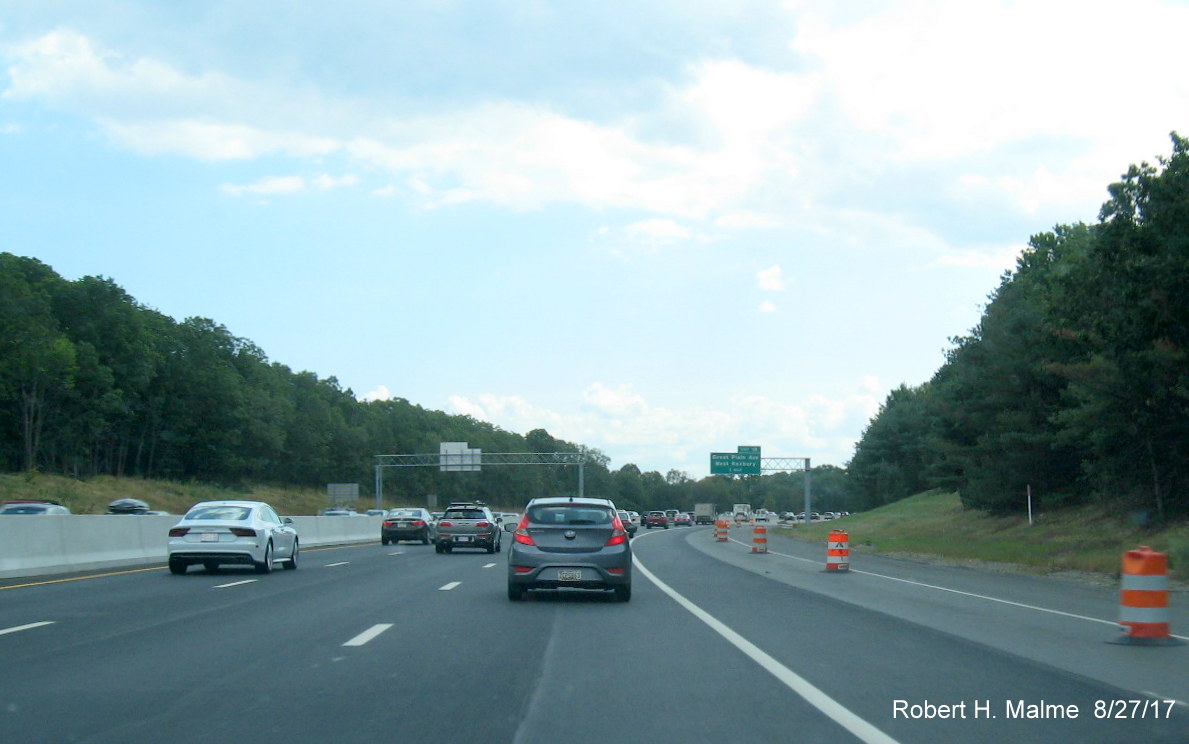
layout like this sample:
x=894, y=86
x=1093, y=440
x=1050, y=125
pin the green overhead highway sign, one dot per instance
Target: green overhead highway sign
x=746, y=461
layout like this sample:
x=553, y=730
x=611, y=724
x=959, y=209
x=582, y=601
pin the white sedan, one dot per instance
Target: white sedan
x=244, y=532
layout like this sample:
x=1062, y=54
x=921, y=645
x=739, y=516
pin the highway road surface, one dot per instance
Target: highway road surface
x=379, y=643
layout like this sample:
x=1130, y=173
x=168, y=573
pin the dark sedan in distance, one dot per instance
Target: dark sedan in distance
x=408, y=523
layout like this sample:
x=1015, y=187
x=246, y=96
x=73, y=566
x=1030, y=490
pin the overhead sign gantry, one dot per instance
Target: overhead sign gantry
x=458, y=457
x=746, y=460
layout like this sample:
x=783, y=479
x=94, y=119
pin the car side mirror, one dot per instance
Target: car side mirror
x=288, y=520
x=509, y=527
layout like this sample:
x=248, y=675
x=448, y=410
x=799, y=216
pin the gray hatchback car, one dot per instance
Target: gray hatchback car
x=570, y=543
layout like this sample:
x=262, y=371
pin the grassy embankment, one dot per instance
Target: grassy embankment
x=1089, y=539
x=91, y=496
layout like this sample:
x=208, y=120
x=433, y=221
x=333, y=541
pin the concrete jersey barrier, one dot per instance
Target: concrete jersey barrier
x=41, y=545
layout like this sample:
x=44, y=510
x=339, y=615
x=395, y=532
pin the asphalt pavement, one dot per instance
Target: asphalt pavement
x=372, y=643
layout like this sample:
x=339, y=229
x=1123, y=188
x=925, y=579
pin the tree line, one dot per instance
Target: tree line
x=94, y=383
x=1074, y=386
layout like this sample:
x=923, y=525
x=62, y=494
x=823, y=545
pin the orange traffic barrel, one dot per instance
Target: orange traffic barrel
x=1143, y=599
x=721, y=529
x=759, y=540
x=838, y=551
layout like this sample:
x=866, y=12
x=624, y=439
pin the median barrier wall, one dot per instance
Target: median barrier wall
x=42, y=545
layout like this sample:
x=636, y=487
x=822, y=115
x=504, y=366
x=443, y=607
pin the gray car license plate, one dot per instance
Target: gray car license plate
x=569, y=574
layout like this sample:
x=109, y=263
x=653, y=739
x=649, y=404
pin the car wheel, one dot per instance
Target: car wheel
x=291, y=564
x=515, y=593
x=425, y=538
x=383, y=540
x=448, y=548
x=210, y=566
x=265, y=566
x=177, y=567
x=491, y=547
x=437, y=547
x=623, y=593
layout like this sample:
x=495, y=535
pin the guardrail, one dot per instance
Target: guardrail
x=41, y=545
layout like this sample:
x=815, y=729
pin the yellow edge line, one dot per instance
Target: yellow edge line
x=81, y=578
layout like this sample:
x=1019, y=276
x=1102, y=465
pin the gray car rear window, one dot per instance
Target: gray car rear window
x=569, y=514
x=465, y=514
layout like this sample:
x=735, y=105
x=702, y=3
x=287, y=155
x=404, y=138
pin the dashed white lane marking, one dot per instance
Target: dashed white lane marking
x=30, y=626
x=368, y=634
x=448, y=587
x=235, y=583
x=863, y=730
x=489, y=565
x=340, y=563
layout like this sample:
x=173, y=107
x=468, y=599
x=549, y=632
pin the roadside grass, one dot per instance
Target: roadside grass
x=935, y=525
x=91, y=496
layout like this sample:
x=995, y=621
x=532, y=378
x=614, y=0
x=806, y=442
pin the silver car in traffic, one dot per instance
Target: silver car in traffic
x=243, y=532
x=570, y=543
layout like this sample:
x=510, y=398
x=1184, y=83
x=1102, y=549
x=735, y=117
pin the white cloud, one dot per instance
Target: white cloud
x=213, y=141
x=770, y=279
x=289, y=185
x=626, y=427
x=656, y=232
x=1000, y=258
x=747, y=221
x=327, y=182
x=267, y=186
x=943, y=88
x=380, y=393
x=955, y=78
x=767, y=307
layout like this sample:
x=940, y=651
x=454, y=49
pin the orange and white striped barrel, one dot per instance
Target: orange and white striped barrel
x=838, y=551
x=759, y=539
x=721, y=529
x=1143, y=597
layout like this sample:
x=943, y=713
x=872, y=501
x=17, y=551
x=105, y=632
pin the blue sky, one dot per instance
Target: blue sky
x=661, y=229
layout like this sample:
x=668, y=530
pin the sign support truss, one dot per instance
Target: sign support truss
x=455, y=462
x=785, y=464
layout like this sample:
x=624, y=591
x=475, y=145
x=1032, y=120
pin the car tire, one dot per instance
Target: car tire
x=447, y=549
x=383, y=540
x=291, y=564
x=623, y=593
x=178, y=567
x=425, y=539
x=210, y=566
x=515, y=593
x=265, y=566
